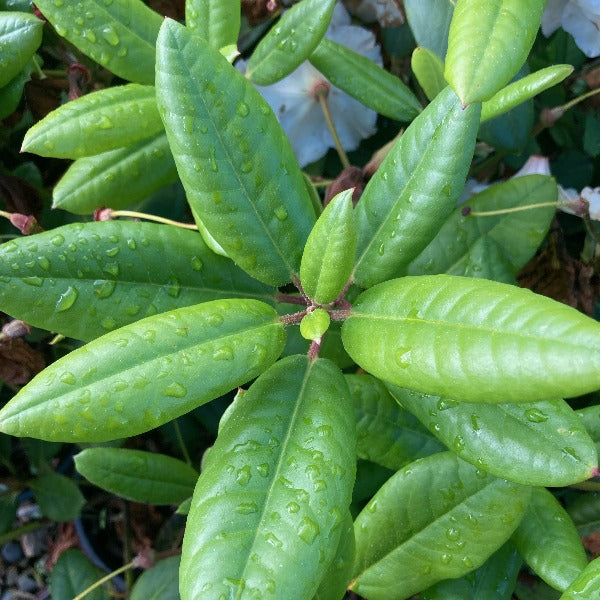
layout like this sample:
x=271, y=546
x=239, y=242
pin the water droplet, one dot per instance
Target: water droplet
x=425, y=570
x=68, y=378
x=246, y=167
x=372, y=506
x=242, y=109
x=535, y=415
x=325, y=430
x=281, y=213
x=381, y=249
x=104, y=288
x=66, y=299
x=112, y=251
x=263, y=469
x=131, y=244
x=57, y=240
x=475, y=422
x=446, y=559
x=108, y=323
x=273, y=540
x=223, y=353
x=174, y=287
x=44, y=263
x=175, y=390
x=467, y=562
x=89, y=34
x=459, y=443
x=571, y=452
x=111, y=269
x=246, y=508
x=403, y=357
x=308, y=530
x=453, y=534
x=103, y=122
x=196, y=263
x=111, y=36
x=212, y=159
x=293, y=507
x=34, y=281
x=243, y=475
x=132, y=309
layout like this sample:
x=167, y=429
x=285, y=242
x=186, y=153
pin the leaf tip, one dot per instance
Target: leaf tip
x=594, y=472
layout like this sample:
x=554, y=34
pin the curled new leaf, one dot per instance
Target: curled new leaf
x=20, y=36
x=473, y=340
x=275, y=488
x=133, y=380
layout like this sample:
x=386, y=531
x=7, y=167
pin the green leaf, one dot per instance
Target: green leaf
x=523, y=89
x=591, y=137
x=8, y=511
x=488, y=43
x=74, y=573
x=329, y=252
x=386, y=433
x=533, y=444
x=336, y=579
x=428, y=68
x=84, y=280
x=429, y=21
x=271, y=500
x=473, y=340
x=58, y=497
x=415, y=189
x=590, y=417
x=11, y=93
x=585, y=512
x=362, y=79
x=548, y=541
x=492, y=247
x=119, y=177
x=238, y=168
x=429, y=522
x=20, y=37
x=290, y=42
x=120, y=34
x=216, y=21
x=495, y=579
x=314, y=324
x=161, y=582
x=147, y=373
x=587, y=584
x=137, y=475
x=100, y=121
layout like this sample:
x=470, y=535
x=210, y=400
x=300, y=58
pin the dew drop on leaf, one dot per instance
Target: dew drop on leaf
x=66, y=299
x=175, y=390
x=108, y=323
x=281, y=213
x=44, y=263
x=243, y=475
x=308, y=530
x=535, y=415
x=34, y=281
x=111, y=36
x=68, y=378
x=246, y=508
x=403, y=357
x=242, y=109
x=293, y=507
x=273, y=540
x=57, y=240
x=104, y=288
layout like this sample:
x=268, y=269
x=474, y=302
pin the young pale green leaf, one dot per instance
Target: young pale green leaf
x=100, y=121
x=429, y=22
x=364, y=80
x=495, y=579
x=523, y=89
x=429, y=522
x=147, y=373
x=140, y=476
x=428, y=68
x=290, y=42
x=238, y=168
x=473, y=340
x=329, y=252
x=120, y=34
x=271, y=499
x=74, y=573
x=118, y=177
x=548, y=541
x=415, y=189
x=216, y=21
x=315, y=324
x=587, y=584
x=11, y=93
x=20, y=37
x=488, y=43
x=386, y=434
x=84, y=280
x=58, y=497
x=534, y=444
x=337, y=576
x=161, y=582
x=492, y=247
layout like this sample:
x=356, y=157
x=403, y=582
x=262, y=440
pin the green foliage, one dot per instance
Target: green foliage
x=422, y=467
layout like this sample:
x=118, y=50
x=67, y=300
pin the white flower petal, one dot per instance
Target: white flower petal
x=353, y=121
x=387, y=12
x=584, y=26
x=592, y=196
x=552, y=17
x=535, y=165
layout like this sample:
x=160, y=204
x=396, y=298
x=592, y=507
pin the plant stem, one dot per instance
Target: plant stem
x=97, y=584
x=290, y=299
x=321, y=95
x=17, y=533
x=138, y=215
x=181, y=443
x=38, y=68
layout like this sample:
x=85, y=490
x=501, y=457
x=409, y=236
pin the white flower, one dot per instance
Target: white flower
x=294, y=101
x=580, y=18
x=387, y=12
x=588, y=201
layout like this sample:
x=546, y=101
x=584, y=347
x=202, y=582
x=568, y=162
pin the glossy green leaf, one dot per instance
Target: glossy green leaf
x=147, y=373
x=315, y=324
x=329, y=252
x=11, y=93
x=386, y=433
x=216, y=21
x=58, y=497
x=495, y=579
x=587, y=584
x=100, y=121
x=415, y=189
x=370, y=84
x=523, y=89
x=473, y=340
x=429, y=21
x=548, y=541
x=74, y=573
x=430, y=522
x=161, y=582
x=533, y=444
x=428, y=68
x=271, y=499
x=337, y=577
x=590, y=417
x=137, y=475
x=489, y=42
x=585, y=512
x=492, y=247
x=120, y=34
x=290, y=42
x=20, y=37
x=116, y=178
x=83, y=280
x=237, y=166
